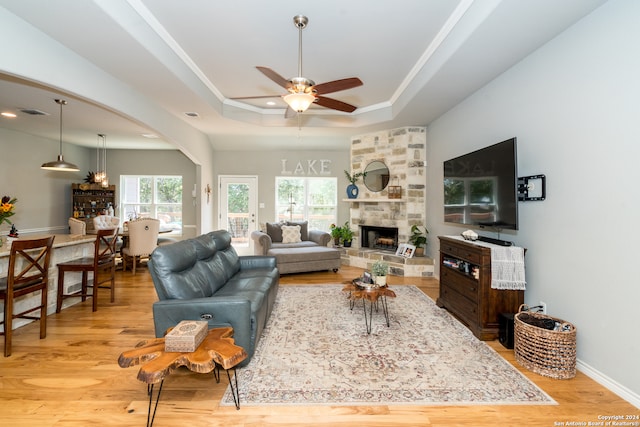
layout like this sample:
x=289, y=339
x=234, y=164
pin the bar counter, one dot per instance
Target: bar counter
x=65, y=247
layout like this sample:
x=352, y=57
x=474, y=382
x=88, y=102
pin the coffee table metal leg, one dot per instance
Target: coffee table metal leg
x=368, y=321
x=151, y=417
x=235, y=392
x=385, y=309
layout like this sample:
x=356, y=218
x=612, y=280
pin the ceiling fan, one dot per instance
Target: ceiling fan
x=302, y=92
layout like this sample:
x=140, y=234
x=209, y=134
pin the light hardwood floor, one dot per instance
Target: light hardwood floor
x=72, y=378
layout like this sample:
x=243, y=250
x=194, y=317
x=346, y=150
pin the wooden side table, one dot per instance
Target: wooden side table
x=373, y=295
x=217, y=350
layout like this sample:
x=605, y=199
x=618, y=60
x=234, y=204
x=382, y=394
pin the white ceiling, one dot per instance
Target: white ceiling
x=417, y=59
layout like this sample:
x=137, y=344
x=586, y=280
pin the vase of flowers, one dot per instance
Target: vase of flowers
x=7, y=209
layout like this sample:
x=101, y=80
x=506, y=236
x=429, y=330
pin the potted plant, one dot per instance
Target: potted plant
x=379, y=270
x=336, y=233
x=352, y=189
x=418, y=239
x=347, y=235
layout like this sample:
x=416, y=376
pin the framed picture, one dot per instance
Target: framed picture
x=401, y=248
x=409, y=251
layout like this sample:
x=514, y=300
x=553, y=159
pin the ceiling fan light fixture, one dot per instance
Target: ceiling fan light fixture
x=59, y=164
x=299, y=102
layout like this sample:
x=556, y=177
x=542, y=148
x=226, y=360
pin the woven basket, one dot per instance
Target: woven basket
x=546, y=352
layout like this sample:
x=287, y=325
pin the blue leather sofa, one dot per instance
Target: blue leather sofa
x=204, y=279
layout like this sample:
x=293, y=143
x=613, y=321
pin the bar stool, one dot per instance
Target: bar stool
x=28, y=272
x=102, y=260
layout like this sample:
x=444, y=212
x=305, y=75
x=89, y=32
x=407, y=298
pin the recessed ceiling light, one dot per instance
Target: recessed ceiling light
x=150, y=135
x=271, y=103
x=192, y=114
x=8, y=114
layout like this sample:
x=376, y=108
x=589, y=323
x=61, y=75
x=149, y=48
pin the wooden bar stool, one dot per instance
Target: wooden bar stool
x=28, y=272
x=103, y=260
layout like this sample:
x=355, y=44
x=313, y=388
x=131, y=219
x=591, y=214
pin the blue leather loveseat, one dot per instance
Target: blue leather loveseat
x=204, y=279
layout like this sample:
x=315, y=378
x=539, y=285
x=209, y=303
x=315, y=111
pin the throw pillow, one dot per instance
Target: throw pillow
x=290, y=234
x=274, y=231
x=304, y=233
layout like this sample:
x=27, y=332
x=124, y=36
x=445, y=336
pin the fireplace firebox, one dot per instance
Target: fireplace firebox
x=382, y=238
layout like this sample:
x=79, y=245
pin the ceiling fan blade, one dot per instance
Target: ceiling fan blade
x=274, y=76
x=334, y=104
x=337, y=85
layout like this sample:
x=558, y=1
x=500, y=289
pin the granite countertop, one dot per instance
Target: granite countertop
x=61, y=240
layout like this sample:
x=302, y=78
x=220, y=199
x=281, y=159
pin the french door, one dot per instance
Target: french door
x=239, y=210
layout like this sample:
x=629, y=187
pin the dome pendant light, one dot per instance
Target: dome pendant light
x=60, y=164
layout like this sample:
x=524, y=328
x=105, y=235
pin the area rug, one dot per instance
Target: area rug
x=315, y=351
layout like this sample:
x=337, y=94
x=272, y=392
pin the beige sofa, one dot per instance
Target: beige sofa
x=296, y=253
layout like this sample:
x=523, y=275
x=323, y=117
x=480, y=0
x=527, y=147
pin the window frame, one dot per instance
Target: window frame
x=153, y=205
x=304, y=207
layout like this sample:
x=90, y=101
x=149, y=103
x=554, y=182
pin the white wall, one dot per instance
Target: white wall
x=44, y=197
x=574, y=107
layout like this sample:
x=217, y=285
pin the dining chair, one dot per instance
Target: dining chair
x=77, y=226
x=143, y=239
x=28, y=272
x=102, y=222
x=103, y=261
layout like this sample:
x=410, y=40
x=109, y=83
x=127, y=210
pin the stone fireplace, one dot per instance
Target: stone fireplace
x=403, y=151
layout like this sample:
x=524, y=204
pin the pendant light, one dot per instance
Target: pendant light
x=99, y=174
x=60, y=164
x=105, y=177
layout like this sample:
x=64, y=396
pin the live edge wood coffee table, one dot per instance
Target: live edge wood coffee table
x=372, y=294
x=216, y=350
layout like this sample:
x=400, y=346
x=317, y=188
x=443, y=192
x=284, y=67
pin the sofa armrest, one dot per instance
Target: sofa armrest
x=257, y=261
x=262, y=242
x=218, y=311
x=320, y=237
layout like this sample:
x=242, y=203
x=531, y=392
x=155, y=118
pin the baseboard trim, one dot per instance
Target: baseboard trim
x=607, y=382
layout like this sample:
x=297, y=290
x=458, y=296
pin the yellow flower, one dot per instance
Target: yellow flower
x=6, y=209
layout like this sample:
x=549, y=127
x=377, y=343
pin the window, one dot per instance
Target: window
x=310, y=199
x=152, y=197
x=470, y=200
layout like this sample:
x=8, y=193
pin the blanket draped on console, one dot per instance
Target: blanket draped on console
x=507, y=266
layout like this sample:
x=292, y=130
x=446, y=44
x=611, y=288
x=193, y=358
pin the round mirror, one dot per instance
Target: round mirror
x=377, y=176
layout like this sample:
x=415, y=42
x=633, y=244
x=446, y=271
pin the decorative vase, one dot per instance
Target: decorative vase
x=419, y=252
x=336, y=241
x=381, y=281
x=346, y=244
x=352, y=191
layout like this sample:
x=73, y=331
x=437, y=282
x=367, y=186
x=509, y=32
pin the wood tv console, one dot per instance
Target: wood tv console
x=465, y=288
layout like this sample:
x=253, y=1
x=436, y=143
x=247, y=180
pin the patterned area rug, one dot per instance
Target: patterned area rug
x=315, y=351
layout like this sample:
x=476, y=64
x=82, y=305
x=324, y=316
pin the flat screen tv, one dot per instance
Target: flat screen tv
x=481, y=189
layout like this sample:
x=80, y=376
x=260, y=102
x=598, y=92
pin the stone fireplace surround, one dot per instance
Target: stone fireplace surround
x=403, y=150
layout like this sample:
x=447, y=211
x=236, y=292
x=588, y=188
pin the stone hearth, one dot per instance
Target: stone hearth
x=398, y=266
